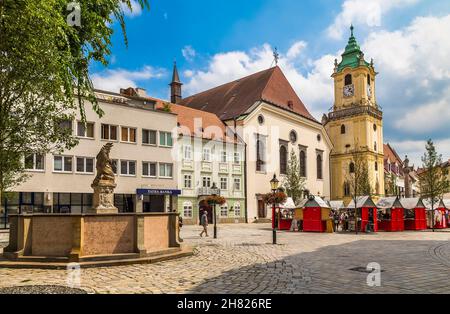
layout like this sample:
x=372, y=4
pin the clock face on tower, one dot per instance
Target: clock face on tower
x=349, y=91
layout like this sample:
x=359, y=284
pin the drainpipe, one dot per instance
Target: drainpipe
x=245, y=183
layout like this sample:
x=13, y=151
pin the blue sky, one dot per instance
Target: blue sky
x=215, y=41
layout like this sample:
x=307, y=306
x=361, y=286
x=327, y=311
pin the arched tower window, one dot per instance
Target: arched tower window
x=352, y=167
x=302, y=164
x=346, y=189
x=342, y=129
x=348, y=80
x=283, y=159
x=368, y=79
x=375, y=146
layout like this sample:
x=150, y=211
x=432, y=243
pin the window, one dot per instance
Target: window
x=237, y=184
x=165, y=139
x=346, y=189
x=375, y=146
x=368, y=80
x=237, y=158
x=376, y=166
x=128, y=135
x=188, y=181
x=85, y=165
x=352, y=167
x=261, y=119
x=319, y=167
x=127, y=168
x=66, y=126
x=303, y=163
x=237, y=210
x=343, y=129
x=34, y=162
x=348, y=79
x=374, y=127
x=224, y=183
x=85, y=130
x=109, y=132
x=206, y=154
x=148, y=137
x=165, y=170
x=149, y=169
x=260, y=155
x=62, y=163
x=187, y=152
x=187, y=210
x=283, y=159
x=224, y=210
x=293, y=137
x=206, y=182
x=223, y=156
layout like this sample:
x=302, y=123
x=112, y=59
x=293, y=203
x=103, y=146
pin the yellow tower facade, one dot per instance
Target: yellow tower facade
x=355, y=124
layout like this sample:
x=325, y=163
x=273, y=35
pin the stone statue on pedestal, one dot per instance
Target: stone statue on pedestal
x=104, y=184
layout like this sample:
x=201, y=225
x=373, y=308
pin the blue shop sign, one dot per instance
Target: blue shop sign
x=158, y=192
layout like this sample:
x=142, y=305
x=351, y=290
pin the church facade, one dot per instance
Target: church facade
x=355, y=124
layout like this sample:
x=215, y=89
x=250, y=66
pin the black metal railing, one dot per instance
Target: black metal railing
x=356, y=111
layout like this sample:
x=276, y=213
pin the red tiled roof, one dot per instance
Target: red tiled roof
x=391, y=154
x=233, y=99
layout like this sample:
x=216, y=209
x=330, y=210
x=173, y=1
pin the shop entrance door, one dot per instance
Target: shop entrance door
x=262, y=209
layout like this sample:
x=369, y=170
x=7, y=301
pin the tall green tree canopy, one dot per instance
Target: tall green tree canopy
x=44, y=77
x=293, y=182
x=434, y=178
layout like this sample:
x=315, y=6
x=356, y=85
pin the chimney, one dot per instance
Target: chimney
x=141, y=92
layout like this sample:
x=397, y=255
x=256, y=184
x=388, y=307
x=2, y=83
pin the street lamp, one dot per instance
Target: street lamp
x=215, y=192
x=274, y=186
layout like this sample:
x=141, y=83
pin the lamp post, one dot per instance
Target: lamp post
x=274, y=187
x=215, y=192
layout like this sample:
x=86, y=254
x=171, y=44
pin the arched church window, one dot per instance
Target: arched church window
x=348, y=80
x=342, y=129
x=283, y=159
x=302, y=164
x=319, y=167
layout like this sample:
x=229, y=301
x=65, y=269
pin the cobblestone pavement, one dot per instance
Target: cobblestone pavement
x=243, y=260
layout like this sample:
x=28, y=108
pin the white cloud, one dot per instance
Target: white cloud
x=363, y=12
x=189, y=53
x=114, y=80
x=416, y=149
x=314, y=87
x=415, y=74
x=136, y=9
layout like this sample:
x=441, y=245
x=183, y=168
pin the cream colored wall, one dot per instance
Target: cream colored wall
x=120, y=115
x=214, y=169
x=277, y=126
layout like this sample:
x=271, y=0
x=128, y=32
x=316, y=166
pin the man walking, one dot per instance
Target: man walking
x=204, y=223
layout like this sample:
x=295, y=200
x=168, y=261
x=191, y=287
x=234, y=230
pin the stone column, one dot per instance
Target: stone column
x=103, y=202
x=139, y=203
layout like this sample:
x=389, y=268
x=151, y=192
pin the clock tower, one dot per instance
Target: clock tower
x=355, y=123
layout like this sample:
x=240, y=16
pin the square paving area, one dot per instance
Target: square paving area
x=243, y=260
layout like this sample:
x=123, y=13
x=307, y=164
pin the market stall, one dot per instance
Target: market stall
x=415, y=214
x=286, y=214
x=438, y=214
x=366, y=214
x=316, y=214
x=392, y=214
x=447, y=207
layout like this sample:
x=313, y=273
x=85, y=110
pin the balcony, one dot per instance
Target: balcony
x=207, y=191
x=355, y=111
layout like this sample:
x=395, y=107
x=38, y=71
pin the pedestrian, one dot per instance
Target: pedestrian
x=204, y=223
x=336, y=221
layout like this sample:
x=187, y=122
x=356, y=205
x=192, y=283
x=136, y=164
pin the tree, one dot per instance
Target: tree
x=391, y=186
x=358, y=181
x=44, y=77
x=293, y=182
x=433, y=180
